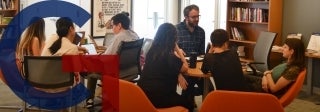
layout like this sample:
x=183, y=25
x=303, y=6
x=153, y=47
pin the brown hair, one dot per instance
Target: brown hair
x=298, y=56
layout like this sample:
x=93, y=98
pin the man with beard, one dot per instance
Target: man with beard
x=191, y=39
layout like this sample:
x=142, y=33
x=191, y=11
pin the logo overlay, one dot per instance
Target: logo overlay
x=107, y=65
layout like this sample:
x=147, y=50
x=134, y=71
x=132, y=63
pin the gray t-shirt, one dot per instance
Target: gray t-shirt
x=125, y=35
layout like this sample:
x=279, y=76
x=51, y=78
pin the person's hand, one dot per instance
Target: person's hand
x=178, y=50
x=82, y=49
x=211, y=50
x=182, y=82
x=183, y=52
x=264, y=83
x=267, y=72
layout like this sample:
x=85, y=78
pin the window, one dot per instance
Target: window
x=49, y=21
x=213, y=14
x=147, y=16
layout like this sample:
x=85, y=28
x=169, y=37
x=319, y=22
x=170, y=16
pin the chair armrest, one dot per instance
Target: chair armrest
x=254, y=69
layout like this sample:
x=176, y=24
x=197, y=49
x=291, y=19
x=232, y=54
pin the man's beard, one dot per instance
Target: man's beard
x=193, y=24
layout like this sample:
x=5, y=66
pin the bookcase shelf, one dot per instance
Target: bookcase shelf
x=266, y=23
x=251, y=2
x=9, y=10
x=252, y=17
x=243, y=41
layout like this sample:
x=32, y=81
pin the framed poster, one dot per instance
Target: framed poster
x=102, y=12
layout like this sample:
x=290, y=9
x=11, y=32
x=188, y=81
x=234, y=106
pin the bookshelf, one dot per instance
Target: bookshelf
x=8, y=9
x=250, y=17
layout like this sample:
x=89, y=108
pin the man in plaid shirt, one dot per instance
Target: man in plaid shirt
x=191, y=38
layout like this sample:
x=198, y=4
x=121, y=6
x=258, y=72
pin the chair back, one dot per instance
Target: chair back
x=236, y=101
x=129, y=53
x=146, y=46
x=128, y=92
x=46, y=72
x=294, y=90
x=133, y=99
x=262, y=50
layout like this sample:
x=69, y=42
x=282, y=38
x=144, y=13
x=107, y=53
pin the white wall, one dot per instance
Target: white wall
x=50, y=22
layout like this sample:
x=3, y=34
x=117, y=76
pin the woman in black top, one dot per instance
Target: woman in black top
x=223, y=63
x=162, y=71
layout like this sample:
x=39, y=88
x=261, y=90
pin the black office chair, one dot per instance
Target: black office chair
x=129, y=53
x=144, y=51
x=261, y=52
x=45, y=73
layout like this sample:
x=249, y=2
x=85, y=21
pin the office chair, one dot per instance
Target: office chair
x=129, y=91
x=294, y=90
x=45, y=73
x=108, y=39
x=129, y=53
x=261, y=52
x=237, y=101
x=144, y=51
x=129, y=66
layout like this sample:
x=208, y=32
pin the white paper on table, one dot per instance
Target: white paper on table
x=91, y=49
x=314, y=43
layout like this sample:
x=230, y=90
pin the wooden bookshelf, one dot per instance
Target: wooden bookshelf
x=252, y=17
x=9, y=10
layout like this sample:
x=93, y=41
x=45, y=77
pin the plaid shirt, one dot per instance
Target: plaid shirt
x=191, y=41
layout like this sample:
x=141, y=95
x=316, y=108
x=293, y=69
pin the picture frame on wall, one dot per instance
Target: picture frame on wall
x=101, y=13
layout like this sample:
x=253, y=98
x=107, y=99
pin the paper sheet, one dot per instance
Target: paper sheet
x=314, y=43
x=91, y=49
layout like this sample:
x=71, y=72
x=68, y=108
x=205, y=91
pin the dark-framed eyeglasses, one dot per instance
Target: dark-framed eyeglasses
x=195, y=17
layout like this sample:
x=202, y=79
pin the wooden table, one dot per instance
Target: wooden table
x=196, y=72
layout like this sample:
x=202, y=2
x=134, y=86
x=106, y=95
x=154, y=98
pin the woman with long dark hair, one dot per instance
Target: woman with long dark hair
x=61, y=44
x=163, y=68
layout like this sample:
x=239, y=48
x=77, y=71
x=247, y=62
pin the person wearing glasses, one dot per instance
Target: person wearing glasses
x=191, y=39
x=121, y=29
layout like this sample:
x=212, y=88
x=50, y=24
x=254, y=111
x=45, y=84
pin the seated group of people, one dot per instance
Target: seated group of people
x=165, y=65
x=34, y=43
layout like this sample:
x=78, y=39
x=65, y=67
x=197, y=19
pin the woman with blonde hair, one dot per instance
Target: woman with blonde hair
x=33, y=39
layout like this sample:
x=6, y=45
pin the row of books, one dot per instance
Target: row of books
x=6, y=4
x=249, y=14
x=236, y=33
x=5, y=20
